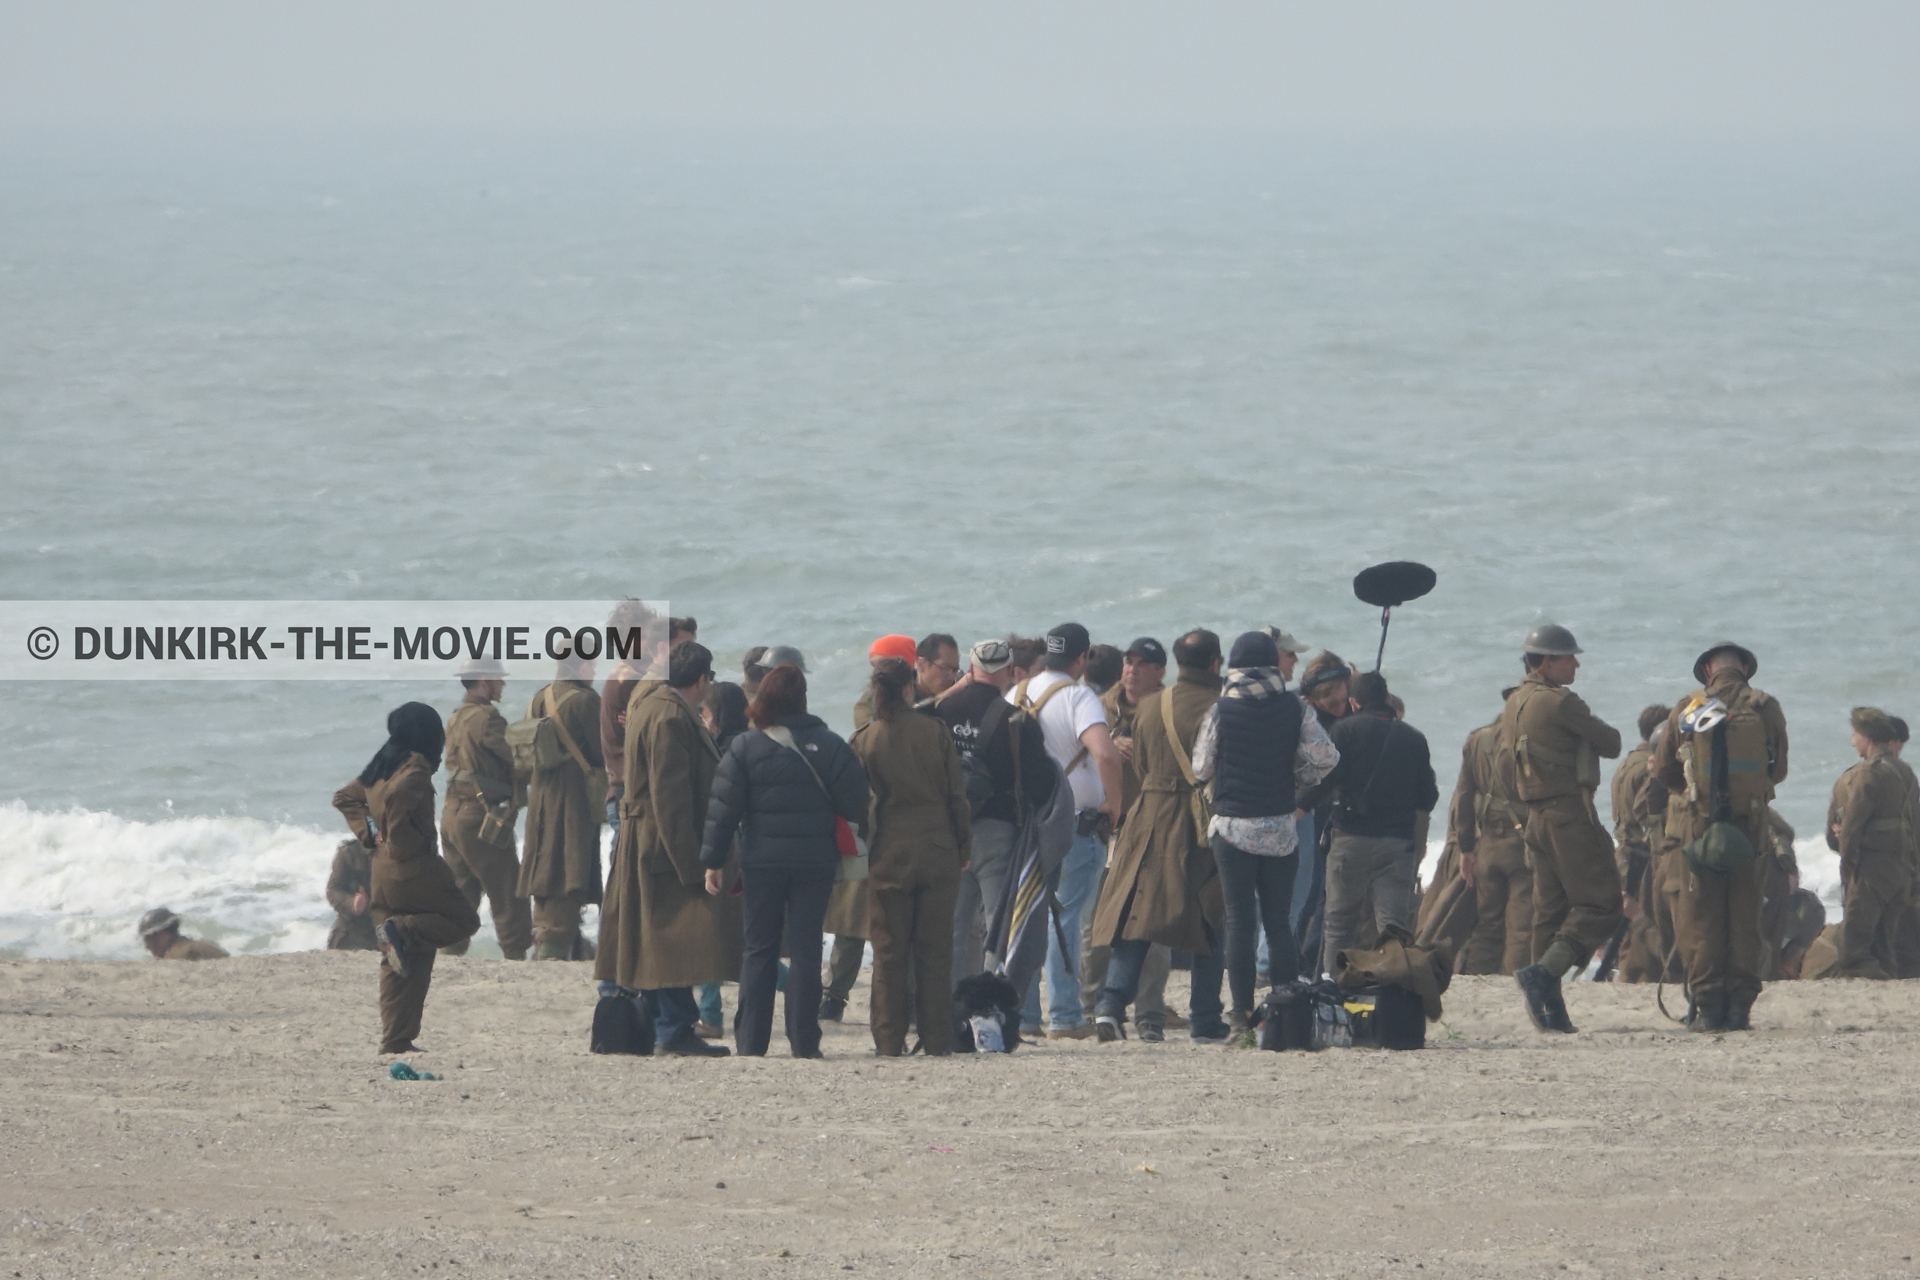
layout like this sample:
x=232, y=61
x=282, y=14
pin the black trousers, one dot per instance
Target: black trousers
x=780, y=902
x=1259, y=893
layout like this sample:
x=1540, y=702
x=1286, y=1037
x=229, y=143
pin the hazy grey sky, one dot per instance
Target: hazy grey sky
x=1755, y=65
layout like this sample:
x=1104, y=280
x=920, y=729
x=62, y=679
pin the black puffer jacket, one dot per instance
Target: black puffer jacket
x=766, y=793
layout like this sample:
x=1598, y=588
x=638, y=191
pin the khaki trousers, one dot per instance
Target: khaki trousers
x=402, y=1000
x=910, y=925
x=486, y=870
x=1878, y=888
x=1576, y=886
x=1502, y=937
x=1718, y=924
x=556, y=934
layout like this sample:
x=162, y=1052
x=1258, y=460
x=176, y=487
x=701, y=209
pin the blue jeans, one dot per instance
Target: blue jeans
x=1079, y=877
x=708, y=1000
x=613, y=819
x=674, y=1013
x=1123, y=984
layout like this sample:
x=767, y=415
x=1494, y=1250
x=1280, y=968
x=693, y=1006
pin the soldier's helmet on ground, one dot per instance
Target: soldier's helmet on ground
x=1552, y=640
x=1748, y=662
x=158, y=920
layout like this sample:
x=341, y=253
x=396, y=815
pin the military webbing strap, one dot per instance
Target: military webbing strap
x=1196, y=807
x=1033, y=709
x=552, y=713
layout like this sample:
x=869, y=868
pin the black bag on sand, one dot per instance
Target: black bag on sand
x=1285, y=1018
x=1389, y=1017
x=986, y=1008
x=621, y=1025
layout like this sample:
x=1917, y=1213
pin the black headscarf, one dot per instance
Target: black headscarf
x=411, y=727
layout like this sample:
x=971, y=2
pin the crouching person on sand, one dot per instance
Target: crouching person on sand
x=417, y=905
x=780, y=788
x=160, y=934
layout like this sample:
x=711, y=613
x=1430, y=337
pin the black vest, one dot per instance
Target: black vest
x=1254, y=744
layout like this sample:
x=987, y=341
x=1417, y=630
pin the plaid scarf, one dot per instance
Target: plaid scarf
x=1253, y=682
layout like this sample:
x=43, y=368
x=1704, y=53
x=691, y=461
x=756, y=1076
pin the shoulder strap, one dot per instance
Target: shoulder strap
x=784, y=736
x=1366, y=792
x=566, y=739
x=1180, y=755
x=1033, y=709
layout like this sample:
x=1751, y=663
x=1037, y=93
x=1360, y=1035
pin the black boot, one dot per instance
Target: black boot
x=1539, y=988
x=1709, y=1013
x=689, y=1045
x=1739, y=1014
x=1557, y=1010
x=832, y=1007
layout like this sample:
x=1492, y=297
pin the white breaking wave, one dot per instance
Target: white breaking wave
x=74, y=884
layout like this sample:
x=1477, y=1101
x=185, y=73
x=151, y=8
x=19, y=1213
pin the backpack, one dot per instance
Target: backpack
x=540, y=742
x=621, y=1025
x=1748, y=782
x=980, y=786
x=1285, y=1018
x=986, y=1015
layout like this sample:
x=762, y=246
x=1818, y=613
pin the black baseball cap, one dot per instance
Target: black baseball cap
x=1148, y=650
x=1068, y=640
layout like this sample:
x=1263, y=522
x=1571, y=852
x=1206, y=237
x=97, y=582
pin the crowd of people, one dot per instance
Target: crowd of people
x=1242, y=816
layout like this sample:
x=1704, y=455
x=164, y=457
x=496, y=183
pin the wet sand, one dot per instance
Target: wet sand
x=232, y=1119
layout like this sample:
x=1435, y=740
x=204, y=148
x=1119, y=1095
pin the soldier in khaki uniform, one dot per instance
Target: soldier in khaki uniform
x=1633, y=835
x=349, y=893
x=160, y=933
x=1551, y=745
x=1871, y=824
x=1143, y=671
x=1489, y=829
x=918, y=836
x=1723, y=773
x=561, y=871
x=476, y=826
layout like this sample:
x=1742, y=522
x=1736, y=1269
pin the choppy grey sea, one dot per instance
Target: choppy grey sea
x=811, y=392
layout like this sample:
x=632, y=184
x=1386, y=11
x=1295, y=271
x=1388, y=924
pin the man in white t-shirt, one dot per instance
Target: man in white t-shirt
x=1074, y=725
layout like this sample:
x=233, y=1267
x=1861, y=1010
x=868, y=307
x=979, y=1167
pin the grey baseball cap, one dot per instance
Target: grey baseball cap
x=1284, y=641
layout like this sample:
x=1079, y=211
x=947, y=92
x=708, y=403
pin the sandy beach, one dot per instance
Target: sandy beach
x=232, y=1119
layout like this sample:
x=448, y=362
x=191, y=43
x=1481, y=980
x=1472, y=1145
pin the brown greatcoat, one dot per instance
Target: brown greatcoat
x=659, y=927
x=562, y=850
x=614, y=696
x=408, y=875
x=1161, y=881
x=352, y=871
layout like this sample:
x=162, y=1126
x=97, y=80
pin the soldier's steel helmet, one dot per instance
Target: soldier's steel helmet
x=157, y=920
x=1748, y=662
x=1551, y=639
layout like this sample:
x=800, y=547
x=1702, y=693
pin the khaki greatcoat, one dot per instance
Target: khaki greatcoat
x=659, y=927
x=1162, y=884
x=562, y=849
